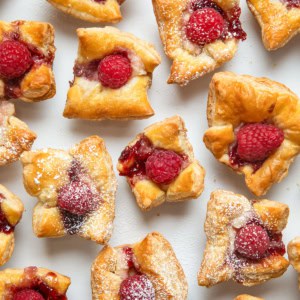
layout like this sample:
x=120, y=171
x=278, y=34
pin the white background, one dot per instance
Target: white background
x=182, y=224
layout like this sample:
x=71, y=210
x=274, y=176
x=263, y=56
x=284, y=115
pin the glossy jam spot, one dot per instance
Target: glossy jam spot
x=128, y=256
x=292, y=3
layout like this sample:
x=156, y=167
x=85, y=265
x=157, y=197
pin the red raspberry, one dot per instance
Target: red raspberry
x=252, y=241
x=15, y=59
x=28, y=294
x=255, y=142
x=114, y=71
x=77, y=198
x=205, y=26
x=163, y=166
x=137, y=287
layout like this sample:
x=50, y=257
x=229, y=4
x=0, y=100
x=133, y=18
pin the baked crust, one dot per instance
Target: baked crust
x=237, y=99
x=169, y=134
x=279, y=24
x=18, y=278
x=38, y=83
x=16, y=136
x=88, y=99
x=91, y=11
x=294, y=255
x=156, y=259
x=227, y=212
x=187, y=66
x=247, y=297
x=46, y=171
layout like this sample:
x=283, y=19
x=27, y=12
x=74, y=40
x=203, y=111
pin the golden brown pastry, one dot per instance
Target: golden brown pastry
x=91, y=10
x=148, y=268
x=159, y=165
x=247, y=297
x=279, y=21
x=26, y=58
x=33, y=283
x=198, y=35
x=254, y=127
x=11, y=210
x=112, y=74
x=294, y=255
x=15, y=135
x=244, y=240
x=76, y=190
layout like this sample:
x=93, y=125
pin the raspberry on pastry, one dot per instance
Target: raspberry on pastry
x=91, y=10
x=15, y=135
x=76, y=190
x=244, y=240
x=254, y=125
x=247, y=297
x=198, y=35
x=147, y=270
x=294, y=255
x=159, y=165
x=112, y=75
x=11, y=210
x=279, y=20
x=26, y=58
x=33, y=283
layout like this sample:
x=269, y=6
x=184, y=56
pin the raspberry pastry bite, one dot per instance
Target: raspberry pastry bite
x=11, y=210
x=146, y=270
x=33, y=283
x=111, y=76
x=244, y=240
x=16, y=136
x=247, y=297
x=254, y=127
x=159, y=165
x=294, y=254
x=26, y=58
x=75, y=189
x=198, y=35
x=279, y=20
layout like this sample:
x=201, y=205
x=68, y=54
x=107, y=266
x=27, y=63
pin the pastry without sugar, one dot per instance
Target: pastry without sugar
x=148, y=269
x=244, y=240
x=294, y=255
x=247, y=297
x=160, y=166
x=76, y=190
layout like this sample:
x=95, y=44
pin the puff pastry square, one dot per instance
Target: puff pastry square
x=38, y=82
x=40, y=281
x=76, y=190
x=190, y=60
x=234, y=101
x=166, y=137
x=153, y=258
x=16, y=136
x=294, y=255
x=247, y=297
x=11, y=210
x=91, y=10
x=227, y=215
x=279, y=21
x=89, y=99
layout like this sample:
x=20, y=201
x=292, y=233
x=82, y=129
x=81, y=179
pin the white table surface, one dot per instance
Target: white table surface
x=182, y=224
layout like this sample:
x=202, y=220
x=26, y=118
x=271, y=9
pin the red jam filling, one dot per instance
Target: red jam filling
x=5, y=227
x=292, y=3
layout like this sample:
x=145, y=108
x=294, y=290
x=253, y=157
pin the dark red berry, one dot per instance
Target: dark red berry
x=205, y=26
x=163, y=166
x=252, y=241
x=114, y=71
x=292, y=3
x=15, y=59
x=28, y=294
x=137, y=287
x=128, y=256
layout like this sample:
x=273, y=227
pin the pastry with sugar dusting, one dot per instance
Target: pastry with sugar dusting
x=294, y=255
x=147, y=270
x=76, y=190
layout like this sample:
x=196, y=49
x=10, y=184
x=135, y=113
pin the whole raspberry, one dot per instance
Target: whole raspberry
x=252, y=241
x=205, y=26
x=137, y=287
x=15, y=59
x=114, y=71
x=28, y=294
x=77, y=198
x=163, y=166
x=255, y=142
